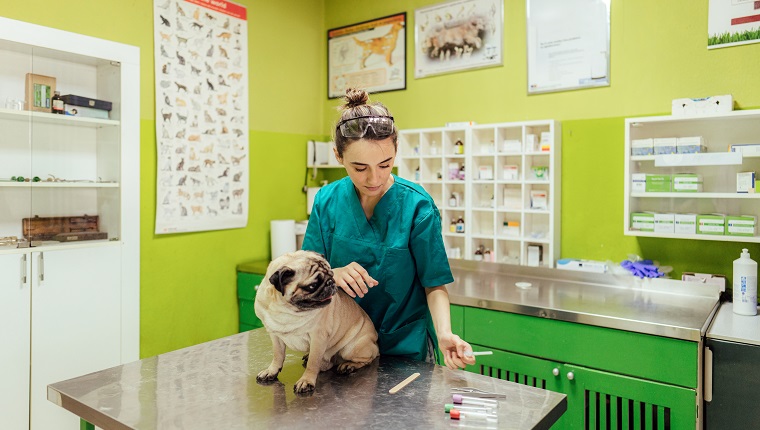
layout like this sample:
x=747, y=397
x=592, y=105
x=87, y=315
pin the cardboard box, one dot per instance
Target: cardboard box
x=745, y=182
x=658, y=183
x=642, y=147
x=638, y=182
x=642, y=221
x=664, y=223
x=539, y=199
x=665, y=145
x=704, y=106
x=744, y=225
x=511, y=172
x=690, y=145
x=745, y=148
x=39, y=90
x=685, y=224
x=85, y=112
x=705, y=278
x=687, y=183
x=714, y=224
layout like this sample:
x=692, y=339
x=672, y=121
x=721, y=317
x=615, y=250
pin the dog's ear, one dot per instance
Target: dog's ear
x=281, y=278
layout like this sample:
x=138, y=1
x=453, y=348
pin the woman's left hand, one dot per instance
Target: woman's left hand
x=453, y=349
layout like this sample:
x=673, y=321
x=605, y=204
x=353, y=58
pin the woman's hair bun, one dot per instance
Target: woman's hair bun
x=355, y=97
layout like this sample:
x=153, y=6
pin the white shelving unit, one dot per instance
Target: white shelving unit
x=429, y=158
x=71, y=308
x=717, y=166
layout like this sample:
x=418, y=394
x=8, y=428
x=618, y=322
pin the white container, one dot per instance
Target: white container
x=745, y=285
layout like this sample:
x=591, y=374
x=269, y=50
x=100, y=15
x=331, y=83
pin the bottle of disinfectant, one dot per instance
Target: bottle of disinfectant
x=745, y=285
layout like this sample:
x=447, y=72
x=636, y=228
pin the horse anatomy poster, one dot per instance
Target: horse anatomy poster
x=201, y=56
x=369, y=55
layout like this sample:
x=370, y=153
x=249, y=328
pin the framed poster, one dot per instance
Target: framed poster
x=369, y=55
x=202, y=171
x=568, y=44
x=733, y=22
x=458, y=35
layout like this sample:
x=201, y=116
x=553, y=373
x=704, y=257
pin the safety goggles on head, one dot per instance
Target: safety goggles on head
x=382, y=126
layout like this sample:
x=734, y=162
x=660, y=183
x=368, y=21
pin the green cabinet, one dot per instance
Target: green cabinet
x=613, y=379
x=249, y=277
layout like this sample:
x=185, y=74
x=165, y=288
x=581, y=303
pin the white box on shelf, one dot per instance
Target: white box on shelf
x=511, y=172
x=690, y=145
x=512, y=198
x=642, y=147
x=685, y=224
x=702, y=106
x=665, y=145
x=534, y=255
x=664, y=223
x=510, y=145
x=538, y=199
x=531, y=142
x=745, y=182
x=745, y=148
x=687, y=182
x=638, y=182
x=485, y=172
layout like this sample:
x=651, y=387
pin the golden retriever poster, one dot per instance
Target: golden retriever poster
x=370, y=54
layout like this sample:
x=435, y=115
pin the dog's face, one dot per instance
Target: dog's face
x=304, y=279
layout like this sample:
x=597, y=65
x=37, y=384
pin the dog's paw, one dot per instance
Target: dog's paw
x=303, y=386
x=348, y=367
x=267, y=375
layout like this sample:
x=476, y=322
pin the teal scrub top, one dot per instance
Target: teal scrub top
x=400, y=246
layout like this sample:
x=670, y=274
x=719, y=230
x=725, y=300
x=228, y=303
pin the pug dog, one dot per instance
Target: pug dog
x=302, y=308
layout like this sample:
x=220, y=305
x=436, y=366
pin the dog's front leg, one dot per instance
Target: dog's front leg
x=278, y=357
x=308, y=380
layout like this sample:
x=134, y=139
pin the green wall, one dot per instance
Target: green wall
x=658, y=53
x=188, y=290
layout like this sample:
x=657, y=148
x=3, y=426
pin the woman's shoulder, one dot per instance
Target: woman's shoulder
x=413, y=191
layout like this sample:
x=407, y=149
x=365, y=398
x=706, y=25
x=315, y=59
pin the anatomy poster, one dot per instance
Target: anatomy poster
x=457, y=35
x=369, y=55
x=201, y=57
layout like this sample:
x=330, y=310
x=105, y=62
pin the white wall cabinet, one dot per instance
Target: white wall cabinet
x=717, y=167
x=503, y=167
x=67, y=308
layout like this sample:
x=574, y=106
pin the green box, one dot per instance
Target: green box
x=249, y=277
x=744, y=225
x=687, y=183
x=714, y=224
x=642, y=221
x=658, y=183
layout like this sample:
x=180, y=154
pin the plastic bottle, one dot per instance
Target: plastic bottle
x=453, y=225
x=453, y=201
x=460, y=225
x=458, y=147
x=745, y=285
x=57, y=103
x=479, y=253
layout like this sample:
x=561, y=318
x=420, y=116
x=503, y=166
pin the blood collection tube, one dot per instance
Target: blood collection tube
x=449, y=406
x=456, y=414
x=474, y=401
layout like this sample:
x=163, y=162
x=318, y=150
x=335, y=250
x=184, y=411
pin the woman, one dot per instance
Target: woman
x=382, y=237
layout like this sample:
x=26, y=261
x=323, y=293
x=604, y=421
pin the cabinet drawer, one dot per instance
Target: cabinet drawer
x=656, y=358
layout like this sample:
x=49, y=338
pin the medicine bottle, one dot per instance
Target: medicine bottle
x=453, y=201
x=460, y=225
x=487, y=255
x=453, y=225
x=479, y=253
x=417, y=174
x=461, y=173
x=57, y=103
x=458, y=147
x=745, y=285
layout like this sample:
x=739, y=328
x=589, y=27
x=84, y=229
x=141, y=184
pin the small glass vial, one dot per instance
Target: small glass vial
x=57, y=103
x=417, y=174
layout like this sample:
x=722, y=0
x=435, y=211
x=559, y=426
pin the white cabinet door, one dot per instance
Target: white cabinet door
x=14, y=341
x=76, y=323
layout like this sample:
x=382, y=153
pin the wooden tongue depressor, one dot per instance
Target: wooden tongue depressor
x=404, y=383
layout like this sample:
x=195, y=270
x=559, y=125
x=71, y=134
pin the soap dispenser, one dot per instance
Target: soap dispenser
x=745, y=285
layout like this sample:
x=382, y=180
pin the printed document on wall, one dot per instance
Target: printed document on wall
x=568, y=44
x=201, y=57
x=732, y=23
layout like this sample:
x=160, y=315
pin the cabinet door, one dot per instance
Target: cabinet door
x=14, y=338
x=76, y=323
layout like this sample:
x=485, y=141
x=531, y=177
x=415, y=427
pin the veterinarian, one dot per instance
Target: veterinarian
x=382, y=237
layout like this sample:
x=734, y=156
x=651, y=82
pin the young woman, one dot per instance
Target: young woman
x=382, y=237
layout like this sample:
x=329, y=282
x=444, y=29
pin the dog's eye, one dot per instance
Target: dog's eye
x=311, y=287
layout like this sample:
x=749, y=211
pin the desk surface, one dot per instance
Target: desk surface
x=213, y=385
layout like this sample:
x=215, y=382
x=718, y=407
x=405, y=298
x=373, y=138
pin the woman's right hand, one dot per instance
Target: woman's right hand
x=353, y=279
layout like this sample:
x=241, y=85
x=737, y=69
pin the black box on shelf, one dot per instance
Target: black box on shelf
x=86, y=102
